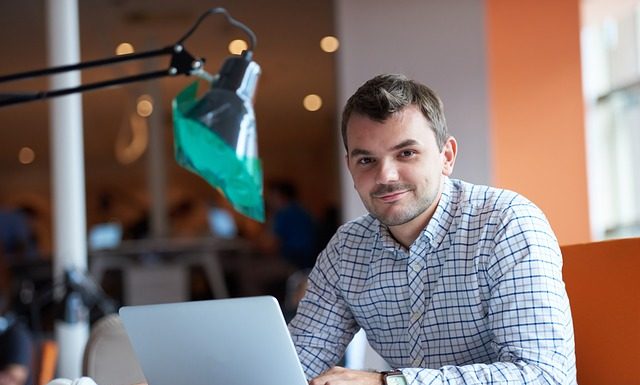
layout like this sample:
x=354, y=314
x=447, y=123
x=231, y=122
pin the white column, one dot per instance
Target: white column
x=67, y=159
x=440, y=43
x=156, y=164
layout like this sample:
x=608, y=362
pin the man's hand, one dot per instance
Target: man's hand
x=339, y=376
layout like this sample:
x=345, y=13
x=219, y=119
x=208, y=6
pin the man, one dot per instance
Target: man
x=453, y=283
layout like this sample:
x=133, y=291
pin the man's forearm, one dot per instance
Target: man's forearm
x=496, y=373
x=340, y=375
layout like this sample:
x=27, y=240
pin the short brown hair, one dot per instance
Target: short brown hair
x=387, y=94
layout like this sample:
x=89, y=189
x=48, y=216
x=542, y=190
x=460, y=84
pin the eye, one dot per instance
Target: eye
x=407, y=153
x=364, y=161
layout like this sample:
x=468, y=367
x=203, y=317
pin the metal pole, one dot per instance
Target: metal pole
x=156, y=167
x=69, y=227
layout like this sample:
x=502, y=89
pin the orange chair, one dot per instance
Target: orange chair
x=46, y=361
x=604, y=290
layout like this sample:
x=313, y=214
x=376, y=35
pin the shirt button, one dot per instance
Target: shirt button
x=415, y=266
x=415, y=317
x=417, y=362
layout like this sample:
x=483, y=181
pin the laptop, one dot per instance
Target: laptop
x=106, y=235
x=235, y=341
x=221, y=223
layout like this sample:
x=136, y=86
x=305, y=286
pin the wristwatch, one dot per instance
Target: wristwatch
x=393, y=377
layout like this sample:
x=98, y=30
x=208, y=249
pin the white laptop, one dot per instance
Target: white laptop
x=236, y=341
x=106, y=235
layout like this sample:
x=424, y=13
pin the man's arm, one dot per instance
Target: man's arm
x=323, y=325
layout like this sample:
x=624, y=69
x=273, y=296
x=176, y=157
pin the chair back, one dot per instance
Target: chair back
x=604, y=291
x=108, y=357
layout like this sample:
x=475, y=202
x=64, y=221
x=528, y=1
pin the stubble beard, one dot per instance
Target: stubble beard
x=399, y=217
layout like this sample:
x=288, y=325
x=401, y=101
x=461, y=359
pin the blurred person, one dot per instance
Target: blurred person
x=16, y=344
x=293, y=228
x=16, y=352
x=287, y=244
x=327, y=226
x=18, y=242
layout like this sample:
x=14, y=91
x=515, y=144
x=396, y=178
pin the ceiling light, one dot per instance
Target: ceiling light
x=329, y=44
x=237, y=46
x=124, y=49
x=312, y=102
x=26, y=155
x=144, y=106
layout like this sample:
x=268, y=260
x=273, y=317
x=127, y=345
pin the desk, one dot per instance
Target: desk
x=177, y=253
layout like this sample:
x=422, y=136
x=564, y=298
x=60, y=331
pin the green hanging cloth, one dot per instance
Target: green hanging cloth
x=207, y=152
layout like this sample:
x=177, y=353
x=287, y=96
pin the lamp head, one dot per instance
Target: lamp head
x=227, y=108
x=216, y=136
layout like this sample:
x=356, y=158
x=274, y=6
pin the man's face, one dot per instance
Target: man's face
x=397, y=167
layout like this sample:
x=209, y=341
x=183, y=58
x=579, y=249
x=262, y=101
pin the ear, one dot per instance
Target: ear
x=449, y=152
x=346, y=162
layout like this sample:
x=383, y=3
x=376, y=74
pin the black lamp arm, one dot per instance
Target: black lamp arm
x=182, y=62
x=87, y=64
x=231, y=20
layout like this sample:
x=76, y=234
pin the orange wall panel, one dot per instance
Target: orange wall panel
x=536, y=108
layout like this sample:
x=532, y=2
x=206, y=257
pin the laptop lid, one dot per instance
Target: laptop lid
x=235, y=341
x=106, y=235
x=221, y=223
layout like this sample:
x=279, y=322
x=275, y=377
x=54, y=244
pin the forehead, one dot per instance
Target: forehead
x=407, y=124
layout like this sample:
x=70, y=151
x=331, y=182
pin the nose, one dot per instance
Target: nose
x=387, y=172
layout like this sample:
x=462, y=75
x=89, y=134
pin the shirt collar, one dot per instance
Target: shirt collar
x=440, y=223
x=388, y=242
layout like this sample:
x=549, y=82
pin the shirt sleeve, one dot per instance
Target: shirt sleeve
x=323, y=325
x=528, y=310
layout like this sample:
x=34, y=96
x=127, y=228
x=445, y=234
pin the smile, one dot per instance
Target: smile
x=392, y=197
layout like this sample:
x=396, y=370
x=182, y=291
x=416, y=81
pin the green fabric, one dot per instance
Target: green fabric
x=203, y=152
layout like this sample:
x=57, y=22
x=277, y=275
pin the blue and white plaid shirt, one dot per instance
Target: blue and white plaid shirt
x=477, y=299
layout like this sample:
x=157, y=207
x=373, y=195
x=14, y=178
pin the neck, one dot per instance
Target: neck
x=407, y=233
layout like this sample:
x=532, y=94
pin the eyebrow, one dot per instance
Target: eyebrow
x=406, y=143
x=357, y=151
x=403, y=144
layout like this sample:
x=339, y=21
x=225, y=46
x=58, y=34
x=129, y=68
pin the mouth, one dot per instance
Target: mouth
x=391, y=196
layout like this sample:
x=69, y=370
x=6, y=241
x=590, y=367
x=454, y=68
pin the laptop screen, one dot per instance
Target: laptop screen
x=221, y=223
x=236, y=341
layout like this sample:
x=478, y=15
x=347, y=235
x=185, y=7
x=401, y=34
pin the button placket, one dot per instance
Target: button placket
x=415, y=268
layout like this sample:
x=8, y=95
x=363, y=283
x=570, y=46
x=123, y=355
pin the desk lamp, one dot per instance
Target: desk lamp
x=215, y=136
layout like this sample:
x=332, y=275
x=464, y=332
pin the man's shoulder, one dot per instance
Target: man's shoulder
x=363, y=226
x=487, y=198
x=351, y=239
x=494, y=207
